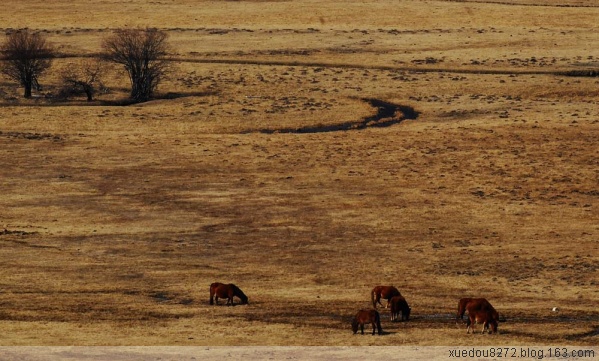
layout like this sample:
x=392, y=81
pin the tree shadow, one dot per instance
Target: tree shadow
x=165, y=96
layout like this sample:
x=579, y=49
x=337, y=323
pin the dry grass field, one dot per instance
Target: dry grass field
x=307, y=151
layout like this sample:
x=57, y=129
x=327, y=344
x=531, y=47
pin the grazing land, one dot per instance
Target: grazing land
x=307, y=151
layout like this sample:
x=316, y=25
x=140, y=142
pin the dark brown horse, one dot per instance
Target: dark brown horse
x=399, y=304
x=228, y=291
x=385, y=292
x=367, y=316
x=481, y=311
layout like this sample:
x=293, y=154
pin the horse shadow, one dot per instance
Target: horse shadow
x=383, y=333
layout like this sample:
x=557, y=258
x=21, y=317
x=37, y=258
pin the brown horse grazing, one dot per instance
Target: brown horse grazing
x=481, y=311
x=399, y=304
x=228, y=291
x=385, y=292
x=367, y=316
x=487, y=318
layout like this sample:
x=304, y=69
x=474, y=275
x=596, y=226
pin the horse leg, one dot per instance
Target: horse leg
x=373, y=328
x=230, y=298
x=362, y=328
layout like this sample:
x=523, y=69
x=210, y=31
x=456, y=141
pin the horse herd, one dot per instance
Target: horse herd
x=479, y=309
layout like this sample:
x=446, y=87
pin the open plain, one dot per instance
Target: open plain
x=307, y=151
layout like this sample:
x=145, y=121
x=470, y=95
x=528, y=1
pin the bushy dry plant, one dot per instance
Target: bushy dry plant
x=141, y=52
x=83, y=78
x=26, y=57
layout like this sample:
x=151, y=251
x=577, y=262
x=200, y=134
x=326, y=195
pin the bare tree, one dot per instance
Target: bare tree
x=26, y=57
x=141, y=52
x=82, y=78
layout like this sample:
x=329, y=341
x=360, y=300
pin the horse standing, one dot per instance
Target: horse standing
x=228, y=291
x=399, y=304
x=481, y=311
x=385, y=292
x=367, y=316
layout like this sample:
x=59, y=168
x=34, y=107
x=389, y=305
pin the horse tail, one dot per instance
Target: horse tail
x=377, y=319
x=212, y=294
x=461, y=311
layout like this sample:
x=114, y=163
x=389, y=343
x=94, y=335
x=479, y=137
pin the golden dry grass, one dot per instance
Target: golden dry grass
x=117, y=218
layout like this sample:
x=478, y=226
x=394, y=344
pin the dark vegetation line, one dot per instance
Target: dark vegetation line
x=28, y=136
x=582, y=72
x=357, y=66
x=508, y=3
x=123, y=102
x=589, y=72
